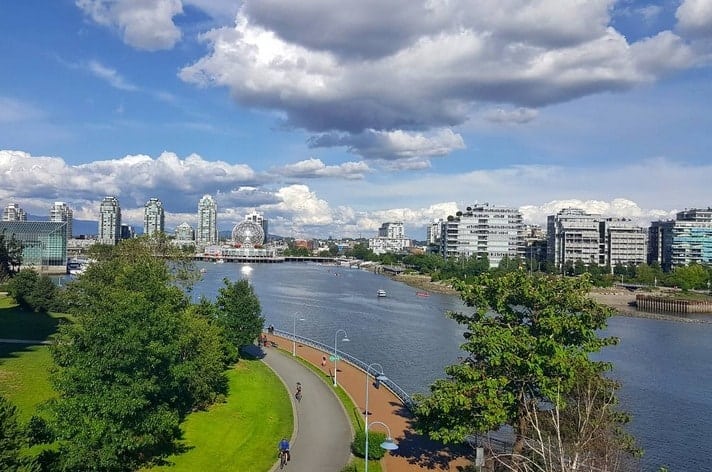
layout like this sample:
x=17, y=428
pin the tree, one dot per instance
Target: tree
x=22, y=286
x=44, y=295
x=10, y=255
x=690, y=277
x=528, y=341
x=239, y=312
x=12, y=439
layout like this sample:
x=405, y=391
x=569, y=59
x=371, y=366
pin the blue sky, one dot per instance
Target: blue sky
x=333, y=117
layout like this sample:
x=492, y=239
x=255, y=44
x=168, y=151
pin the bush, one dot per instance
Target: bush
x=350, y=468
x=375, y=438
x=21, y=287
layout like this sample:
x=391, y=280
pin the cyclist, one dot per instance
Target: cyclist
x=284, y=448
x=298, y=394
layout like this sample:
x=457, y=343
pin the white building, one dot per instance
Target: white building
x=433, y=232
x=207, y=231
x=257, y=217
x=109, y=221
x=184, y=232
x=13, y=212
x=61, y=213
x=492, y=231
x=153, y=217
x=391, y=238
x=623, y=242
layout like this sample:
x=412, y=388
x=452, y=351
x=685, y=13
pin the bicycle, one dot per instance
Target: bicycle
x=298, y=394
x=283, y=458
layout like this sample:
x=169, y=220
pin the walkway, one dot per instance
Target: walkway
x=323, y=432
x=23, y=341
x=414, y=452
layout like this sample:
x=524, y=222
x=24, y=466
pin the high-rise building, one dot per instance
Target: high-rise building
x=683, y=241
x=184, y=232
x=207, y=230
x=391, y=238
x=257, y=217
x=484, y=230
x=61, y=213
x=153, y=217
x=127, y=232
x=13, y=212
x=623, y=242
x=109, y=221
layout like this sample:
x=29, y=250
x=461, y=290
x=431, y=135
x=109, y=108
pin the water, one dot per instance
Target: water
x=665, y=367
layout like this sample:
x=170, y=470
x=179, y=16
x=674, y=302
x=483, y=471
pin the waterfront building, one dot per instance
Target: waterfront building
x=153, y=217
x=44, y=244
x=686, y=240
x=257, y=217
x=484, y=230
x=573, y=235
x=184, y=232
x=391, y=238
x=13, y=212
x=109, y=221
x=207, y=231
x=248, y=233
x=61, y=213
x=433, y=232
x=623, y=242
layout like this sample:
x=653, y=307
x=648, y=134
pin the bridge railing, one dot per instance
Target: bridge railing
x=356, y=362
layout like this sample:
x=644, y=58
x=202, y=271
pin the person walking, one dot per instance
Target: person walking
x=323, y=361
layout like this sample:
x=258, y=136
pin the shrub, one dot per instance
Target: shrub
x=375, y=438
x=350, y=468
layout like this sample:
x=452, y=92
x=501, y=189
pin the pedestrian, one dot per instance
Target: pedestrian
x=264, y=340
x=323, y=361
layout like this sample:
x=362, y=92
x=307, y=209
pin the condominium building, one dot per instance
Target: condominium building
x=184, y=232
x=391, y=238
x=257, y=217
x=207, y=230
x=13, y=212
x=153, y=217
x=686, y=240
x=61, y=213
x=484, y=230
x=574, y=235
x=109, y=221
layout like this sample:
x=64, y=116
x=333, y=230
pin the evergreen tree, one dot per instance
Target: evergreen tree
x=239, y=312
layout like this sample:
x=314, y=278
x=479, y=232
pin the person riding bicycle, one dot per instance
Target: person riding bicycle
x=284, y=448
x=298, y=393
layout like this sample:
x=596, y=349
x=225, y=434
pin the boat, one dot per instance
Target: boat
x=203, y=270
x=422, y=294
x=220, y=261
x=381, y=293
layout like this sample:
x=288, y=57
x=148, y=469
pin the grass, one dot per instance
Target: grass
x=239, y=434
x=20, y=324
x=353, y=413
x=24, y=376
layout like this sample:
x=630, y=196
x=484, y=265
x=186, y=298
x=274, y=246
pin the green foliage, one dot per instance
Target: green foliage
x=375, y=438
x=361, y=251
x=239, y=312
x=44, y=295
x=528, y=340
x=12, y=437
x=134, y=362
x=22, y=286
x=10, y=255
x=693, y=276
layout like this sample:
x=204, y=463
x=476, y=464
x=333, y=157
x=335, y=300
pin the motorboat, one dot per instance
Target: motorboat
x=422, y=294
x=381, y=293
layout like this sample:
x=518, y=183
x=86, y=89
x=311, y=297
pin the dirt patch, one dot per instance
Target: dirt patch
x=423, y=282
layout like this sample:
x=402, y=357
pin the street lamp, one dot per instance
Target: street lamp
x=380, y=377
x=336, y=356
x=294, y=334
x=388, y=444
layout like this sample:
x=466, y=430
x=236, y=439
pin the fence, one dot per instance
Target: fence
x=356, y=362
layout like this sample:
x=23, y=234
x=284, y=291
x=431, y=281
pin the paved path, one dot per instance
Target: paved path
x=414, y=453
x=323, y=432
x=23, y=341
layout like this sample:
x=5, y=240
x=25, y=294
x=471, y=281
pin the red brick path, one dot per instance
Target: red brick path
x=414, y=451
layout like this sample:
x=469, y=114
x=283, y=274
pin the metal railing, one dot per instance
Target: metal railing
x=356, y=362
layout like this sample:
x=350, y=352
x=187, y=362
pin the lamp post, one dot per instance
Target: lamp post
x=379, y=376
x=336, y=356
x=294, y=334
x=388, y=444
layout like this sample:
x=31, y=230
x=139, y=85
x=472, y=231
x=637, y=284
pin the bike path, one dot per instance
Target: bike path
x=322, y=431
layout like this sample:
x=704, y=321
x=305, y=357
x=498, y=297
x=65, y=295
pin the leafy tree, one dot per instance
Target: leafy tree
x=361, y=251
x=44, y=295
x=239, y=312
x=690, y=277
x=528, y=341
x=12, y=439
x=10, y=255
x=22, y=286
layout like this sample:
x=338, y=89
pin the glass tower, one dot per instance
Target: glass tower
x=61, y=213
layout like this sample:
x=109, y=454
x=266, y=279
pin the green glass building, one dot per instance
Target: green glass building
x=44, y=244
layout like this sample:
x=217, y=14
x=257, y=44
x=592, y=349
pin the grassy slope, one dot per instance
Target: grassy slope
x=24, y=376
x=242, y=433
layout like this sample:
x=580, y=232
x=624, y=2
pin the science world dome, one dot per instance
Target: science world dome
x=248, y=233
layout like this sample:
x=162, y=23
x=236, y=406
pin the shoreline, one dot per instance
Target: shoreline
x=423, y=282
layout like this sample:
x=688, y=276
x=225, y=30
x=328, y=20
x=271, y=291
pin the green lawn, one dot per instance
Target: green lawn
x=241, y=434
x=19, y=324
x=24, y=376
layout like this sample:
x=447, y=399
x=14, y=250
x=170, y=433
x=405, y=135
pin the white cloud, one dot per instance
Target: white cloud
x=616, y=208
x=111, y=76
x=517, y=116
x=315, y=168
x=695, y=18
x=143, y=24
x=14, y=111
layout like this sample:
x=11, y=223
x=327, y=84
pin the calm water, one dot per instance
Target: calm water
x=665, y=367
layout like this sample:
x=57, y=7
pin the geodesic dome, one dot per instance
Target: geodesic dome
x=248, y=233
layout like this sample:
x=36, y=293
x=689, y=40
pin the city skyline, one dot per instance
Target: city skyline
x=534, y=105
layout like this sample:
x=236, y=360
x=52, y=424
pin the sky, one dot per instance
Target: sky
x=332, y=117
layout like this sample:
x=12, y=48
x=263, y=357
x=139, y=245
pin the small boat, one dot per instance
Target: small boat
x=203, y=270
x=381, y=293
x=422, y=294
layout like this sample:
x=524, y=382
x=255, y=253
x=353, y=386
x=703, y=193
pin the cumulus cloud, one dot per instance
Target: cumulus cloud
x=695, y=18
x=516, y=116
x=616, y=208
x=315, y=168
x=143, y=24
x=393, y=145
